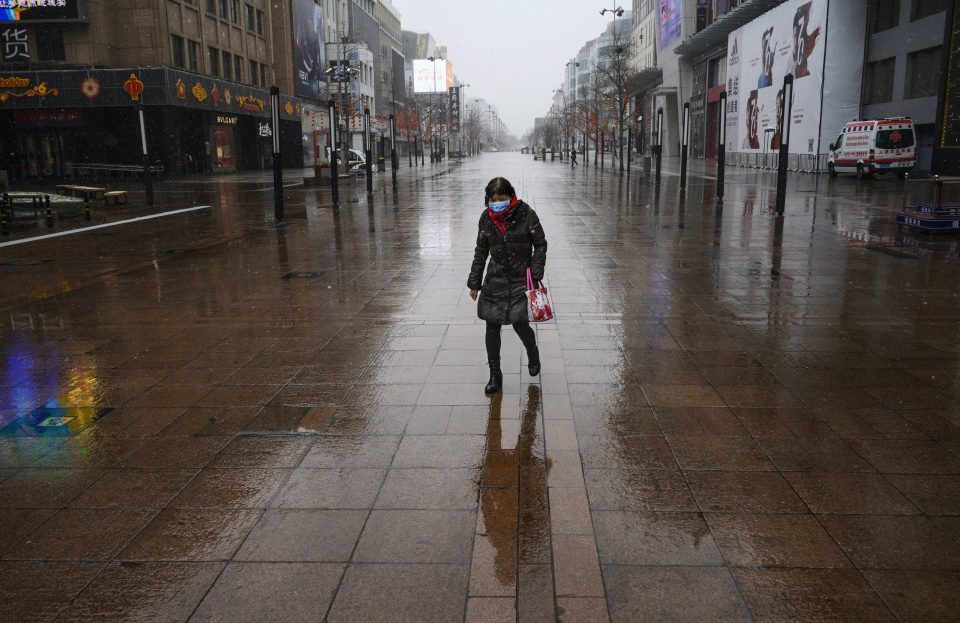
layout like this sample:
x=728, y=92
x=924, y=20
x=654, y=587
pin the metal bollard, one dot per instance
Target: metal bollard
x=4, y=225
x=86, y=210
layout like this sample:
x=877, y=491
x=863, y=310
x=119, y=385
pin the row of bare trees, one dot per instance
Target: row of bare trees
x=601, y=108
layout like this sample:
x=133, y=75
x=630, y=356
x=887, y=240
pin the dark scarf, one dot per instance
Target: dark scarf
x=502, y=219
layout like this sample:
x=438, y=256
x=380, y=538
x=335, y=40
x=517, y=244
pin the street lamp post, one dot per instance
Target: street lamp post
x=147, y=182
x=786, y=111
x=722, y=147
x=659, y=141
x=684, y=147
x=367, y=152
x=277, y=165
x=394, y=162
x=433, y=98
x=334, y=169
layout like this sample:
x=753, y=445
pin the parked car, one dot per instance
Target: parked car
x=876, y=146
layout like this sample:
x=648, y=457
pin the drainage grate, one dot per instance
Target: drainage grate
x=53, y=422
x=305, y=275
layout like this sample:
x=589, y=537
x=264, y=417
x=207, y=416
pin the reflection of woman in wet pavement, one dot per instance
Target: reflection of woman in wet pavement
x=514, y=465
x=511, y=234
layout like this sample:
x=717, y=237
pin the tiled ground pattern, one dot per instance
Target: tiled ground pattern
x=738, y=419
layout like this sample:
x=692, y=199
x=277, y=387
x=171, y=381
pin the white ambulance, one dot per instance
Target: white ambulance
x=877, y=146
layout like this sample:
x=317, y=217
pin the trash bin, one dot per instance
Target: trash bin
x=381, y=164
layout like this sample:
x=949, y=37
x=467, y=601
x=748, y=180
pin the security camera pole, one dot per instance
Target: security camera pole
x=277, y=165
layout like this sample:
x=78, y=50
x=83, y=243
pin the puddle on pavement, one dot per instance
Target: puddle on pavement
x=53, y=422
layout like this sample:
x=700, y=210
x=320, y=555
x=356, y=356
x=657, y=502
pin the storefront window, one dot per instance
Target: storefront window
x=214, y=62
x=227, y=66
x=926, y=8
x=224, y=144
x=886, y=15
x=880, y=81
x=193, y=54
x=176, y=46
x=50, y=44
x=924, y=72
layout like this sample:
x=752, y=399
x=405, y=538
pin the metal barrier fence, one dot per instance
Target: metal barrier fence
x=770, y=161
x=91, y=169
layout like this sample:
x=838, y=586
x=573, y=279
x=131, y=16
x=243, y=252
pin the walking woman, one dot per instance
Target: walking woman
x=511, y=234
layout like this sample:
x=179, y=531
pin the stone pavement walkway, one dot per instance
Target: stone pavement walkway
x=212, y=417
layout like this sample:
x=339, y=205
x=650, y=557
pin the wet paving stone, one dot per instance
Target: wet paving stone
x=252, y=591
x=705, y=442
x=144, y=591
x=428, y=592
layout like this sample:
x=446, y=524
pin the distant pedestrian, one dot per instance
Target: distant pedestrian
x=511, y=235
x=573, y=157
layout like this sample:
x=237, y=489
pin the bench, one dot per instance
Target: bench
x=35, y=200
x=114, y=197
x=86, y=192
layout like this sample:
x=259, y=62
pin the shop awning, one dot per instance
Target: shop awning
x=715, y=35
x=155, y=86
x=647, y=78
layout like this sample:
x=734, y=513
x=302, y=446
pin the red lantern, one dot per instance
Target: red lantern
x=133, y=87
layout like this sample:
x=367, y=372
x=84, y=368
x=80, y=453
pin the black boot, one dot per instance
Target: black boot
x=496, y=380
x=533, y=360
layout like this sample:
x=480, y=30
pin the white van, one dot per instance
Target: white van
x=877, y=146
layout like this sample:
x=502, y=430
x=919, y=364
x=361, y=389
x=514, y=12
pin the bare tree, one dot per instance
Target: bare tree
x=472, y=127
x=618, y=78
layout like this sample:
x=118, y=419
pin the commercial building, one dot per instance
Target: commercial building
x=867, y=59
x=903, y=75
x=204, y=95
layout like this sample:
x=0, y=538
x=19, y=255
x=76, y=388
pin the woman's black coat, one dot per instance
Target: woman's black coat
x=503, y=298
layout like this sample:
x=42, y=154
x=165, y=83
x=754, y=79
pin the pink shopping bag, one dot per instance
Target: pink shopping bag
x=538, y=301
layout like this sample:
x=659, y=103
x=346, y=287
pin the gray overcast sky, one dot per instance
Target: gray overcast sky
x=511, y=52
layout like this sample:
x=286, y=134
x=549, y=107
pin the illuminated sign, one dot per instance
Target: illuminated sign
x=41, y=90
x=227, y=119
x=39, y=10
x=432, y=77
x=15, y=45
x=265, y=130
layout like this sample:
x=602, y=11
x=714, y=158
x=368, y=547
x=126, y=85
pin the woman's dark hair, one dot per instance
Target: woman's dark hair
x=498, y=186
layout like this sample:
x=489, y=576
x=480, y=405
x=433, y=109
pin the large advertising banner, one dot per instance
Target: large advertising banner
x=432, y=76
x=787, y=40
x=39, y=10
x=670, y=16
x=308, y=50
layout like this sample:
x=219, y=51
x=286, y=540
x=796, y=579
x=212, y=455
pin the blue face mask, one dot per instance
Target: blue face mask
x=499, y=206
